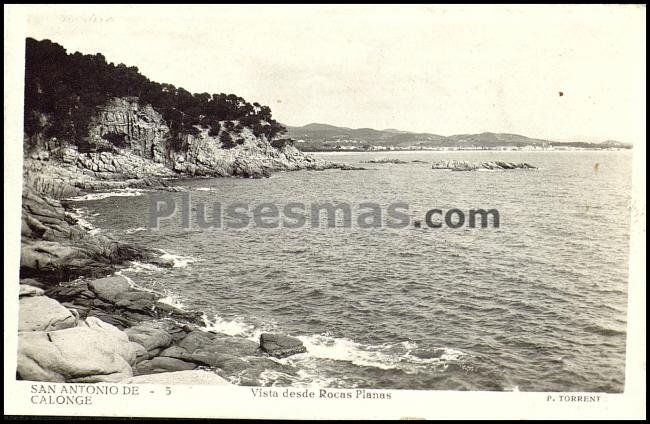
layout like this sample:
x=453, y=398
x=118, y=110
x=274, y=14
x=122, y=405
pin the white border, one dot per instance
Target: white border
x=208, y=401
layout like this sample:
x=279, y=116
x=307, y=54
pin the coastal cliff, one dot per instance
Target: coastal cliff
x=129, y=145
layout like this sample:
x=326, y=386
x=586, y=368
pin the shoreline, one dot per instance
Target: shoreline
x=72, y=286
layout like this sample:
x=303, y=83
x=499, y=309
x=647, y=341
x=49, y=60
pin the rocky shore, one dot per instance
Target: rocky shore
x=105, y=330
x=81, y=321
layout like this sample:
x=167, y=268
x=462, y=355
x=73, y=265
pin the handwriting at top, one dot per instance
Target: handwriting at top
x=93, y=19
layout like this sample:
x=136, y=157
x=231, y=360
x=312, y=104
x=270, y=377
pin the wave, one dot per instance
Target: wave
x=167, y=296
x=78, y=215
x=137, y=267
x=123, y=192
x=135, y=230
x=173, y=300
x=234, y=327
x=406, y=356
x=177, y=260
x=205, y=189
x=400, y=355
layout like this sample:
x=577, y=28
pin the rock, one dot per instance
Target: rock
x=92, y=352
x=40, y=313
x=281, y=346
x=116, y=320
x=26, y=290
x=109, y=288
x=66, y=292
x=55, y=248
x=162, y=364
x=214, y=350
x=150, y=335
x=33, y=283
x=463, y=165
x=179, y=377
x=385, y=160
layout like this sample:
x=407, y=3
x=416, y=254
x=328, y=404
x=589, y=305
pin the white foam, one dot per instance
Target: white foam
x=124, y=192
x=172, y=300
x=78, y=215
x=385, y=356
x=135, y=230
x=205, y=189
x=177, y=260
x=168, y=297
x=234, y=327
x=137, y=267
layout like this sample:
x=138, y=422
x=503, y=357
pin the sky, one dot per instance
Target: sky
x=444, y=70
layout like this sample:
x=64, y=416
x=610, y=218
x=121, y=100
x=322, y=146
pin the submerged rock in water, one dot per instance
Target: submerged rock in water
x=385, y=160
x=463, y=165
x=281, y=346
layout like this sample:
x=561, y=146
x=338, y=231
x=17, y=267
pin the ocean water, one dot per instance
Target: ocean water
x=537, y=304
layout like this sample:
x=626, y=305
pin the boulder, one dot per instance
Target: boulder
x=281, y=346
x=109, y=288
x=92, y=352
x=150, y=335
x=26, y=290
x=40, y=313
x=179, y=377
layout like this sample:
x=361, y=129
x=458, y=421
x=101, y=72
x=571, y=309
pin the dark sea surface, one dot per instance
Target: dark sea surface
x=538, y=304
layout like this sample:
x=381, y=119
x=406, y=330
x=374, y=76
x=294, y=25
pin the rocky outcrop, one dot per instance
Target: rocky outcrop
x=252, y=157
x=130, y=146
x=386, y=160
x=463, y=165
x=94, y=351
x=156, y=344
x=281, y=346
x=56, y=248
x=179, y=377
x=114, y=300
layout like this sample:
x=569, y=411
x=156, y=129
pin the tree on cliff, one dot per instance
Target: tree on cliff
x=62, y=92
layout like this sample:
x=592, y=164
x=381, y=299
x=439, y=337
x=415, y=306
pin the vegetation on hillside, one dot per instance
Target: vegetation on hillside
x=62, y=92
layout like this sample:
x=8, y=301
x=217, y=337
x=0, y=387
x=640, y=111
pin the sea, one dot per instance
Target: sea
x=537, y=303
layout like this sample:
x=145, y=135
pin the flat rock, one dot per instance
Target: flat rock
x=179, y=377
x=281, y=346
x=40, y=313
x=162, y=364
x=109, y=288
x=26, y=290
x=92, y=352
x=149, y=335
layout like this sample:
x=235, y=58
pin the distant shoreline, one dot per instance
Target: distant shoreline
x=469, y=150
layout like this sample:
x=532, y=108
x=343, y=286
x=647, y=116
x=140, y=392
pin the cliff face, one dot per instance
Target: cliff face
x=140, y=128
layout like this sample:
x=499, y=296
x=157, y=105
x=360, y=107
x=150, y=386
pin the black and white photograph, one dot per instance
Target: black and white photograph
x=325, y=203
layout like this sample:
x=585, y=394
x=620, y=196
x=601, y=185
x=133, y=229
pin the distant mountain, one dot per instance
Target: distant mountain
x=315, y=137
